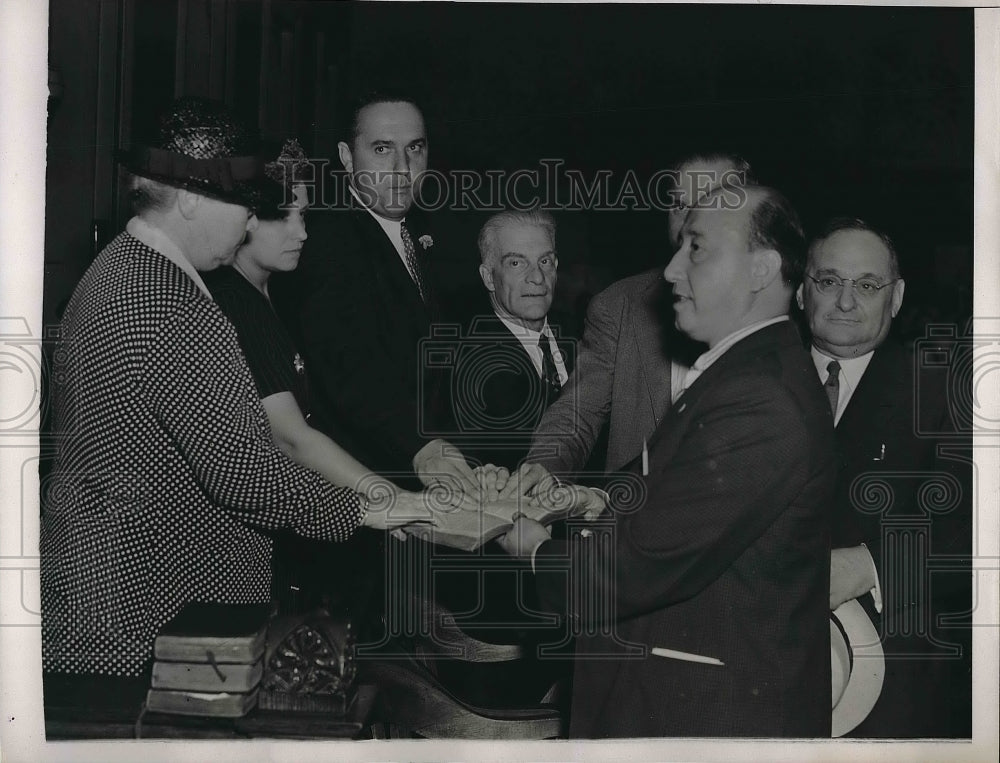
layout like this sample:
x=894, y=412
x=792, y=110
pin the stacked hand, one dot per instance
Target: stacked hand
x=390, y=508
x=441, y=465
x=530, y=493
x=528, y=480
x=541, y=489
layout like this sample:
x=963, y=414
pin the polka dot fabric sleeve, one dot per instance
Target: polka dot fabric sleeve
x=204, y=397
x=165, y=475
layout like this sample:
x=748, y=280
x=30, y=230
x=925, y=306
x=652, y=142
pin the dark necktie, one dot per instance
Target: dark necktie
x=550, y=375
x=832, y=385
x=412, y=263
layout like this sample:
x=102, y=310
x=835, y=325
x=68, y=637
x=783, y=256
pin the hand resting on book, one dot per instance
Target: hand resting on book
x=529, y=479
x=470, y=529
x=390, y=508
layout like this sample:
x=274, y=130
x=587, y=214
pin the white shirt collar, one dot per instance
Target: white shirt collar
x=523, y=332
x=160, y=242
x=529, y=339
x=708, y=358
x=851, y=371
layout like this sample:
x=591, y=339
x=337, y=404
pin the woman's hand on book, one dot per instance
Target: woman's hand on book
x=393, y=509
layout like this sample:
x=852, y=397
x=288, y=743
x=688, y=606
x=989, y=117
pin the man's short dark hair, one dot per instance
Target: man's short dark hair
x=737, y=162
x=855, y=223
x=737, y=173
x=349, y=130
x=774, y=224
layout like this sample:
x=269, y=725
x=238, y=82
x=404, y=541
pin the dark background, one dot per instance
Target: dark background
x=859, y=111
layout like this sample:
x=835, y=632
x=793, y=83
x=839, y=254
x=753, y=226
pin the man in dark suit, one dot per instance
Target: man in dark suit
x=513, y=362
x=508, y=367
x=883, y=554
x=630, y=356
x=702, y=608
x=360, y=303
x=363, y=298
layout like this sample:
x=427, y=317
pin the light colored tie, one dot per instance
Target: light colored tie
x=412, y=263
x=832, y=385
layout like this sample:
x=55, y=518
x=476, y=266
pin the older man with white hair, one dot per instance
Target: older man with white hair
x=512, y=362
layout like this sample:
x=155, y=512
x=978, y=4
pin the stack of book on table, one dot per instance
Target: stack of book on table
x=209, y=660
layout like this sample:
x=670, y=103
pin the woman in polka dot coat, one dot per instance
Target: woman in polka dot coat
x=166, y=480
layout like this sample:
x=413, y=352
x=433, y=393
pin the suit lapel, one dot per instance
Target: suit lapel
x=390, y=271
x=769, y=338
x=565, y=343
x=876, y=396
x=535, y=381
x=654, y=366
x=494, y=328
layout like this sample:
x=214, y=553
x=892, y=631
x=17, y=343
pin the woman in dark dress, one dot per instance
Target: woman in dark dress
x=306, y=573
x=278, y=369
x=167, y=486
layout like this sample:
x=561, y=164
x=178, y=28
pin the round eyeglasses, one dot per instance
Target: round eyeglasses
x=863, y=287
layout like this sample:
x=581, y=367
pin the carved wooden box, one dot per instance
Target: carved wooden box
x=309, y=665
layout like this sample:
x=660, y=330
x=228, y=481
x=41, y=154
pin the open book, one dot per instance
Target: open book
x=468, y=530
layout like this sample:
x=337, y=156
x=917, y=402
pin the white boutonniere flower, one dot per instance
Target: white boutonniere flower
x=426, y=241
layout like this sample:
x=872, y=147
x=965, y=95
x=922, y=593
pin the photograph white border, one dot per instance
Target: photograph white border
x=23, y=89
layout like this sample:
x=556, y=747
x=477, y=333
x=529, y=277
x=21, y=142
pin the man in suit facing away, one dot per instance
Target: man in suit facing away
x=630, y=356
x=882, y=554
x=701, y=609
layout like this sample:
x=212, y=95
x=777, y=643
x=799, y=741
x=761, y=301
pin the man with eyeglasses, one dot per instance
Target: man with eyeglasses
x=851, y=292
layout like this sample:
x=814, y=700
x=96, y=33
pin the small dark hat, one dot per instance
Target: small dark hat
x=290, y=167
x=201, y=146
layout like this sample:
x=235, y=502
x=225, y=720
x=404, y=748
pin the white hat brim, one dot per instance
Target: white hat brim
x=866, y=666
